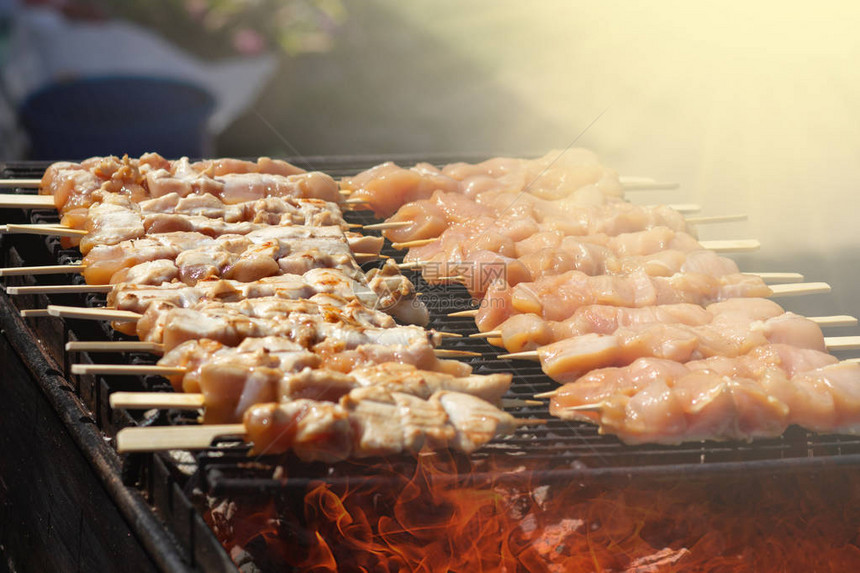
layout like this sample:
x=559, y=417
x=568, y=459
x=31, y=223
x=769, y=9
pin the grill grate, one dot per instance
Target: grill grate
x=568, y=449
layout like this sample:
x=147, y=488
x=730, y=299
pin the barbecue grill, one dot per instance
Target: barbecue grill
x=70, y=502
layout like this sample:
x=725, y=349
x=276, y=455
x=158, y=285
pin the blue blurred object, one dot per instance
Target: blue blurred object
x=118, y=115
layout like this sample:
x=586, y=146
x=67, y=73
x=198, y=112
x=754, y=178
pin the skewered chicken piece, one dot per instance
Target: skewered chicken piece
x=558, y=297
x=379, y=426
x=517, y=217
x=753, y=396
x=529, y=331
x=117, y=218
x=389, y=288
x=273, y=369
x=264, y=252
x=472, y=254
x=728, y=335
x=574, y=174
x=196, y=357
x=73, y=185
x=171, y=326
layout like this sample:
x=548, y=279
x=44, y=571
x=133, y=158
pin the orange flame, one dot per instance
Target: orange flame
x=423, y=522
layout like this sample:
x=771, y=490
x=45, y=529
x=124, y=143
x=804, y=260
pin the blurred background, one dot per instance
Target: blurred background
x=750, y=106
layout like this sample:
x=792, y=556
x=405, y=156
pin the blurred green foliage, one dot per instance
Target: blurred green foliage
x=222, y=28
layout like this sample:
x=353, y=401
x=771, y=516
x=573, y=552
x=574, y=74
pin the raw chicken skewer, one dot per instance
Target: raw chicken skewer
x=753, y=396
x=528, y=331
x=570, y=358
x=558, y=297
x=328, y=432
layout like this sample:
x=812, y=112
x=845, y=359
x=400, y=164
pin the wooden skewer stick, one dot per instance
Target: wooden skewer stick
x=190, y=401
x=115, y=346
x=837, y=320
x=797, y=289
x=647, y=185
x=706, y=220
x=487, y=334
x=530, y=355
x=587, y=407
x=464, y=313
x=93, y=313
x=34, y=313
x=549, y=394
x=830, y=342
x=13, y=201
x=388, y=225
x=793, y=289
x=45, y=230
x=778, y=277
x=721, y=246
x=842, y=342
x=127, y=369
x=731, y=245
x=416, y=243
x=58, y=289
x=147, y=400
x=156, y=439
x=43, y=270
x=684, y=208
x=25, y=183
x=441, y=352
x=356, y=201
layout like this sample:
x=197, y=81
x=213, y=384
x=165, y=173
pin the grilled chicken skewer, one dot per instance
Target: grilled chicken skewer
x=323, y=431
x=77, y=185
x=231, y=382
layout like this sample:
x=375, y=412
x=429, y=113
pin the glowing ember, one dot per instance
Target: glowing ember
x=425, y=522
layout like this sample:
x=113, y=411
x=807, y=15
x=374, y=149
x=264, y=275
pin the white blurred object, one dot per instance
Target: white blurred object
x=45, y=47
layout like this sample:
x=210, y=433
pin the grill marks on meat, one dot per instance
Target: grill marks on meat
x=386, y=424
x=79, y=185
x=275, y=369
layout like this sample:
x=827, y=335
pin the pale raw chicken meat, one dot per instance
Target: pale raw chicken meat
x=387, y=186
x=751, y=396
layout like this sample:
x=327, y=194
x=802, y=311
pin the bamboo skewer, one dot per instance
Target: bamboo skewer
x=158, y=439
x=58, y=289
x=84, y=313
x=155, y=439
x=115, y=346
x=24, y=183
x=684, y=208
x=388, y=225
x=777, y=277
x=834, y=321
x=823, y=321
x=830, y=342
x=40, y=229
x=14, y=201
x=464, y=313
x=192, y=401
x=640, y=184
x=42, y=270
x=799, y=289
x=127, y=369
x=710, y=219
x=718, y=246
